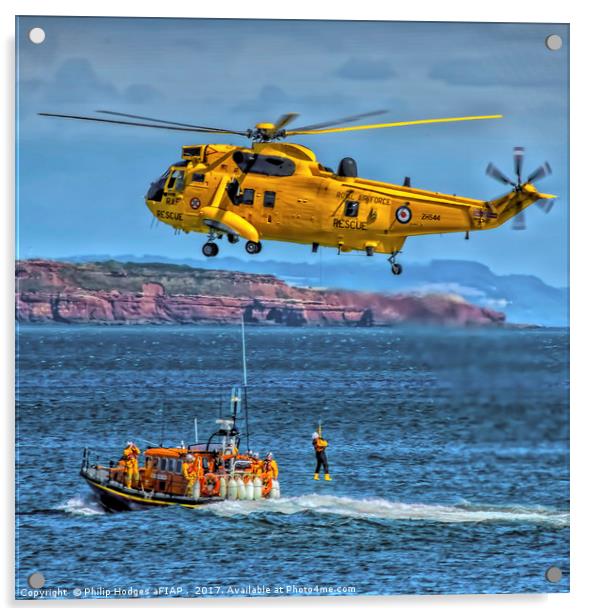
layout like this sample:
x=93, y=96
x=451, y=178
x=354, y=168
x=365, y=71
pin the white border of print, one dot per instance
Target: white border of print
x=570, y=11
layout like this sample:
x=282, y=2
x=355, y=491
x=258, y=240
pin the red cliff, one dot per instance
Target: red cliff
x=113, y=292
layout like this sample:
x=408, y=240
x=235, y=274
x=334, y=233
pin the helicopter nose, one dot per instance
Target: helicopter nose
x=155, y=191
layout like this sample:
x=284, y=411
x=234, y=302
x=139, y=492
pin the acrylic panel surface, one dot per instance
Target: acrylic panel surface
x=443, y=392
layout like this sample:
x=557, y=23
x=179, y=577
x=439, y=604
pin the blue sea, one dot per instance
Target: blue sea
x=448, y=449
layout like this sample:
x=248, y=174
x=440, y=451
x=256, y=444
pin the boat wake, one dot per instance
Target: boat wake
x=362, y=509
x=380, y=509
x=82, y=505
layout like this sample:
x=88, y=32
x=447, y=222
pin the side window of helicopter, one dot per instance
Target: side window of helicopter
x=351, y=209
x=265, y=165
x=179, y=182
x=176, y=181
x=198, y=177
x=269, y=198
x=248, y=196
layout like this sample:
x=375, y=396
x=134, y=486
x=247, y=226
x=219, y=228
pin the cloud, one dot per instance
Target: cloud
x=76, y=81
x=366, y=69
x=493, y=71
x=268, y=97
x=141, y=93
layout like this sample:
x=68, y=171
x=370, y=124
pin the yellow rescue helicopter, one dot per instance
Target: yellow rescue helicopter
x=274, y=190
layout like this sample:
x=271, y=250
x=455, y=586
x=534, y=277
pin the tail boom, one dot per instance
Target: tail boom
x=499, y=211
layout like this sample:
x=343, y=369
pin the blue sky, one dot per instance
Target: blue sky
x=81, y=185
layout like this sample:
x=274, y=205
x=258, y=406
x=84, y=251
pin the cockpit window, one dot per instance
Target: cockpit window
x=176, y=181
x=264, y=165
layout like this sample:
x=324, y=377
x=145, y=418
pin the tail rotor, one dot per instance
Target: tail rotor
x=494, y=172
x=544, y=170
x=518, y=163
x=546, y=205
x=539, y=173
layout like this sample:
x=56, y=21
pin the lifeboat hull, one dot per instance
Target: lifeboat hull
x=115, y=497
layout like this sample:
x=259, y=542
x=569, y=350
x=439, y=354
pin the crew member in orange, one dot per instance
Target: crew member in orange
x=270, y=466
x=197, y=467
x=257, y=466
x=269, y=472
x=189, y=473
x=319, y=445
x=197, y=470
x=130, y=456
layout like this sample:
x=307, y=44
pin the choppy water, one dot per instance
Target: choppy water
x=448, y=448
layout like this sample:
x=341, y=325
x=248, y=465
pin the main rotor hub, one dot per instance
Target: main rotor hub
x=265, y=131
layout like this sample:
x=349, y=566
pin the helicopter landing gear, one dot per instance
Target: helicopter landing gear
x=233, y=239
x=210, y=249
x=253, y=248
x=396, y=267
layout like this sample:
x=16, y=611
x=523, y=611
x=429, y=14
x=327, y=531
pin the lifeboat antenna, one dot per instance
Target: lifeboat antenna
x=245, y=396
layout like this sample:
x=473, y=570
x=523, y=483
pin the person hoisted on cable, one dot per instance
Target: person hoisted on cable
x=319, y=445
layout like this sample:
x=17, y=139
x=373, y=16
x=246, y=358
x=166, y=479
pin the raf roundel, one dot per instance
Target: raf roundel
x=403, y=214
x=195, y=203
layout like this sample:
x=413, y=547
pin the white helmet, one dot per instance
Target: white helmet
x=190, y=457
x=315, y=435
x=129, y=444
x=269, y=455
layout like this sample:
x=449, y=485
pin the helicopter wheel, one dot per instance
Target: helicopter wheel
x=210, y=249
x=253, y=248
x=396, y=269
x=233, y=239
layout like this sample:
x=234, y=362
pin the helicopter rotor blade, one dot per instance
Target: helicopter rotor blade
x=518, y=162
x=285, y=119
x=539, y=173
x=145, y=125
x=546, y=205
x=495, y=173
x=519, y=223
x=345, y=120
x=389, y=125
x=171, y=123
